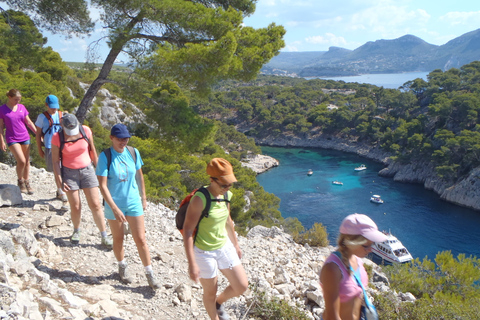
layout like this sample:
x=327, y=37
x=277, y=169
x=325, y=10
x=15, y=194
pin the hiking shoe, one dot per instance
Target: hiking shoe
x=107, y=242
x=152, y=282
x=124, y=276
x=62, y=196
x=222, y=314
x=75, y=238
x=21, y=185
x=28, y=187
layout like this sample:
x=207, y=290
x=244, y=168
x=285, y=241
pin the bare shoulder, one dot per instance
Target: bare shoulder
x=330, y=273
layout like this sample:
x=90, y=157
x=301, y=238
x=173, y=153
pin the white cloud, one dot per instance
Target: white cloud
x=290, y=48
x=458, y=18
x=329, y=39
x=389, y=20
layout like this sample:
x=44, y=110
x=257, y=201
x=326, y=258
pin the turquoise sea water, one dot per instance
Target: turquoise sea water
x=424, y=223
x=386, y=80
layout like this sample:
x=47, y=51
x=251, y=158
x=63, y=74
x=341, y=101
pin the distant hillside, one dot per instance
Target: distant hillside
x=405, y=54
x=291, y=62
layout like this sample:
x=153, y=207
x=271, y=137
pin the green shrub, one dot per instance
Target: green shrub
x=265, y=308
x=317, y=236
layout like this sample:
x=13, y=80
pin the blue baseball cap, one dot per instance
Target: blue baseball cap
x=52, y=102
x=120, y=131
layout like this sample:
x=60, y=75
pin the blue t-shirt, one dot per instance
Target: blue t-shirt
x=121, y=180
x=42, y=122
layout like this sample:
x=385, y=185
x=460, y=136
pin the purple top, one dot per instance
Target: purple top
x=15, y=128
x=349, y=287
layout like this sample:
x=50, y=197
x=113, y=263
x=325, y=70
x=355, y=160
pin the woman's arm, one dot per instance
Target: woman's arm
x=141, y=187
x=93, y=151
x=194, y=211
x=38, y=138
x=330, y=277
x=3, y=146
x=107, y=196
x=230, y=225
x=29, y=123
x=57, y=169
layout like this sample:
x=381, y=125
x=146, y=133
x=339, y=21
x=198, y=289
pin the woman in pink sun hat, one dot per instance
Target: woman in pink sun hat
x=343, y=276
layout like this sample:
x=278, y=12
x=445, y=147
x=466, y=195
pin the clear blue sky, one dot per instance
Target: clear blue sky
x=315, y=25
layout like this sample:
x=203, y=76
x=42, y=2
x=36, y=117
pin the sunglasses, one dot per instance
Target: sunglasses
x=223, y=186
x=367, y=247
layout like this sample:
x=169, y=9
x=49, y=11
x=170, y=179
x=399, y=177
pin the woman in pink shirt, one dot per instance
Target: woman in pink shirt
x=73, y=169
x=14, y=119
x=343, y=294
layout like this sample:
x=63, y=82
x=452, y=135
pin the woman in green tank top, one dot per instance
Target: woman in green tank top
x=215, y=247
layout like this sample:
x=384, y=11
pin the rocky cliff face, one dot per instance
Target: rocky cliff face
x=115, y=110
x=465, y=192
x=44, y=276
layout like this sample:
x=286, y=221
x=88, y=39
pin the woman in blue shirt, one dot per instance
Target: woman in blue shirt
x=123, y=190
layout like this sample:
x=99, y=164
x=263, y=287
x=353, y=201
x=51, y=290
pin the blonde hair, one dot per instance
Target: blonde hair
x=13, y=92
x=344, y=242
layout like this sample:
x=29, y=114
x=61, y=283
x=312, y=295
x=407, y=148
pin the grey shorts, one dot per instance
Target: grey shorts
x=83, y=178
x=48, y=159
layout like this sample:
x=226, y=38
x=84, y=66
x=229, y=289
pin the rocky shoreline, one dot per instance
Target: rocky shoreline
x=260, y=163
x=44, y=276
x=465, y=192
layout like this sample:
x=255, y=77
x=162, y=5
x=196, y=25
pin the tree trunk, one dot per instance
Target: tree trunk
x=86, y=102
x=117, y=47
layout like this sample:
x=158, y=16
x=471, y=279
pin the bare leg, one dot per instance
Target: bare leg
x=137, y=226
x=21, y=154
x=238, y=283
x=75, y=207
x=209, y=296
x=117, y=234
x=26, y=152
x=93, y=200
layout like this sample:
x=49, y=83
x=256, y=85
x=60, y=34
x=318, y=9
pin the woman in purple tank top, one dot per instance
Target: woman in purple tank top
x=342, y=294
x=15, y=120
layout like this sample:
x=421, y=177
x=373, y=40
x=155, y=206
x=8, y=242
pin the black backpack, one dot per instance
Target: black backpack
x=62, y=140
x=182, y=210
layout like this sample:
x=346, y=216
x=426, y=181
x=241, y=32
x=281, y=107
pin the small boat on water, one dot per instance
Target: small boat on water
x=338, y=183
x=361, y=168
x=376, y=199
x=310, y=172
x=391, y=250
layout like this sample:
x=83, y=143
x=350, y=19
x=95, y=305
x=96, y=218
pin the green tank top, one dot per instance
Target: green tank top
x=212, y=232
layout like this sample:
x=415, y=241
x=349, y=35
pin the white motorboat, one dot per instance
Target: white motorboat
x=361, y=168
x=310, y=172
x=376, y=199
x=392, y=250
x=338, y=183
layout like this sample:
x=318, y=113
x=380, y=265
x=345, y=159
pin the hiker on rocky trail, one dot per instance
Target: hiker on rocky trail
x=214, y=246
x=47, y=124
x=15, y=120
x=73, y=152
x=119, y=172
x=343, y=276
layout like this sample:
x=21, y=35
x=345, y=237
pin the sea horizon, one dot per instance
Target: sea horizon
x=386, y=80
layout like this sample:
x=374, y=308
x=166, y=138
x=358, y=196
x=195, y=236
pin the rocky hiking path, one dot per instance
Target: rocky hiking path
x=44, y=276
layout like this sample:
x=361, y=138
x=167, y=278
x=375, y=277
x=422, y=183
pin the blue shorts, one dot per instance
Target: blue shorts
x=135, y=210
x=22, y=142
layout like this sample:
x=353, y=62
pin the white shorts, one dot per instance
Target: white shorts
x=209, y=262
